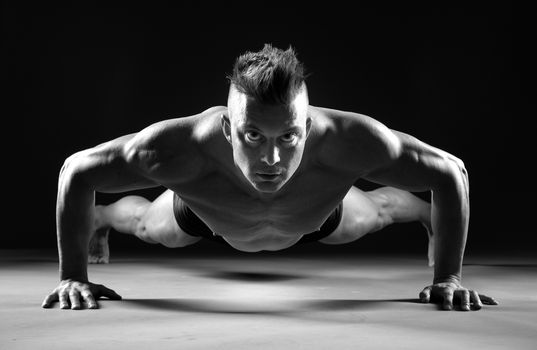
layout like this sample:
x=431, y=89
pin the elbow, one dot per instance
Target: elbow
x=458, y=169
x=68, y=164
x=454, y=175
x=74, y=169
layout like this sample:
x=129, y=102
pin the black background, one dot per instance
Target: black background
x=455, y=77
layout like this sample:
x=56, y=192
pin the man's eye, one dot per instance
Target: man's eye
x=289, y=137
x=253, y=136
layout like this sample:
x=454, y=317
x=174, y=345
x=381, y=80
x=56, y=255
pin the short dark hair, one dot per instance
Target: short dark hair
x=271, y=75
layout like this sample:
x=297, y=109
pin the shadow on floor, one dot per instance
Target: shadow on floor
x=252, y=276
x=504, y=265
x=274, y=307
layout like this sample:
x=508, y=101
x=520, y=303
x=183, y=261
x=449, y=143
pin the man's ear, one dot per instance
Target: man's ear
x=226, y=127
x=308, y=126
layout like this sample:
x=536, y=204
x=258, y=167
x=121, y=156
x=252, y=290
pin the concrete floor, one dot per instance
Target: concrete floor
x=266, y=301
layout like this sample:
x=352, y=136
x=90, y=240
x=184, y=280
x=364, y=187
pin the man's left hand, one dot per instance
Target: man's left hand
x=445, y=293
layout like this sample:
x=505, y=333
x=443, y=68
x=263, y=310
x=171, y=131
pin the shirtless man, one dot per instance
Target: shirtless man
x=265, y=172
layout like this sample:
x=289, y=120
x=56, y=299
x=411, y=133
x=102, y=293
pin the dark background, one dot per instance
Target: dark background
x=455, y=77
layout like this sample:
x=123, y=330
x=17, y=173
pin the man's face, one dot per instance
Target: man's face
x=267, y=140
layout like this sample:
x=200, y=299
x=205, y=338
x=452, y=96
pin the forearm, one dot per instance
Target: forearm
x=450, y=217
x=74, y=219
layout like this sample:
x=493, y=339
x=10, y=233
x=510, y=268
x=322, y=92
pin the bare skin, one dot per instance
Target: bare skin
x=262, y=177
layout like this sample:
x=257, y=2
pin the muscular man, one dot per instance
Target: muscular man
x=265, y=172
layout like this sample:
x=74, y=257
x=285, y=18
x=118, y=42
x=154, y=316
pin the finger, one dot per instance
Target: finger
x=89, y=299
x=488, y=300
x=49, y=300
x=448, y=300
x=425, y=295
x=64, y=300
x=74, y=297
x=465, y=300
x=110, y=294
x=476, y=300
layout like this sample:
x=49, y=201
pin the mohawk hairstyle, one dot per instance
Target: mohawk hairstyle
x=271, y=75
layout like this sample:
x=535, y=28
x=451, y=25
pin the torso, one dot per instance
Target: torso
x=232, y=208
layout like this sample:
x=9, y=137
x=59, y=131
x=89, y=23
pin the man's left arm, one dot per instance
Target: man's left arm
x=412, y=165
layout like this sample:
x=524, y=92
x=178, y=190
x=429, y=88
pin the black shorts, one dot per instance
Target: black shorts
x=191, y=224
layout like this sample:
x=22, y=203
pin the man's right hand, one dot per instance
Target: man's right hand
x=72, y=294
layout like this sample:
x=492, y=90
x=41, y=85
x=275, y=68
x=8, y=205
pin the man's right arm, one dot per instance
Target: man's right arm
x=165, y=153
x=104, y=168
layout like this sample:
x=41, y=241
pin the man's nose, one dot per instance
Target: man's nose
x=271, y=155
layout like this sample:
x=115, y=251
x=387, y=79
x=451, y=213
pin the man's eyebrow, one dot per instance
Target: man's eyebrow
x=293, y=128
x=249, y=125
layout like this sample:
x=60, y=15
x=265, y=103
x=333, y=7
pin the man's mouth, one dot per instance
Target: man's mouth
x=268, y=176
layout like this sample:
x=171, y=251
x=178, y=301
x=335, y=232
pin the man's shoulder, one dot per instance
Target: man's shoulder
x=176, y=143
x=206, y=125
x=188, y=130
x=344, y=121
x=345, y=126
x=352, y=137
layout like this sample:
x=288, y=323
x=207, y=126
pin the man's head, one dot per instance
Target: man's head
x=267, y=122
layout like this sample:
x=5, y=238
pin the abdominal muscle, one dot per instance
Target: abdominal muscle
x=249, y=226
x=264, y=235
x=263, y=241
